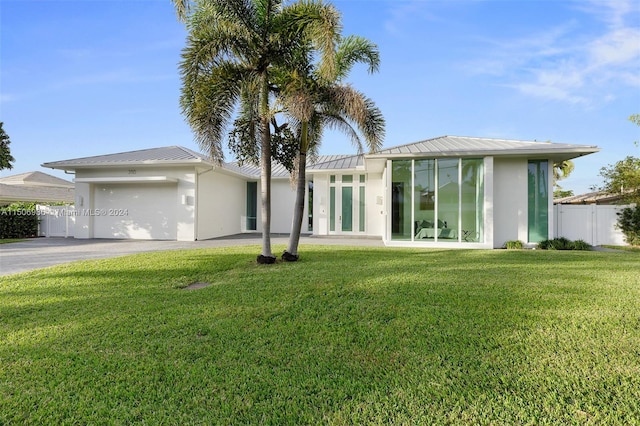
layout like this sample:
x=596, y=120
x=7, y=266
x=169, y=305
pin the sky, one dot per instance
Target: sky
x=90, y=77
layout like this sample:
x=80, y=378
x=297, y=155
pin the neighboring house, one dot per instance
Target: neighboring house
x=443, y=192
x=35, y=187
x=591, y=217
x=598, y=197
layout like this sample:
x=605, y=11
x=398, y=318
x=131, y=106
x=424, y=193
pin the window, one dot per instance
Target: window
x=252, y=206
x=538, y=205
x=437, y=200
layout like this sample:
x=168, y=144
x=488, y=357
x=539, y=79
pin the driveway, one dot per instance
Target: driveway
x=43, y=252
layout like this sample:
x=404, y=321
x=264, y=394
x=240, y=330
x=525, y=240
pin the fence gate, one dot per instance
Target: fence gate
x=56, y=221
x=593, y=223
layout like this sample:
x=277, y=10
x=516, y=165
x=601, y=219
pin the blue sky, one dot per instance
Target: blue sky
x=90, y=77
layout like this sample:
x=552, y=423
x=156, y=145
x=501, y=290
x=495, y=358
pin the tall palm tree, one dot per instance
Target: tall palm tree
x=232, y=48
x=315, y=101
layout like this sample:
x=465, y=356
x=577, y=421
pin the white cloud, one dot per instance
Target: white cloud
x=569, y=65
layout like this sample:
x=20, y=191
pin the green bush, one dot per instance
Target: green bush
x=581, y=245
x=514, y=245
x=629, y=224
x=563, y=243
x=18, y=220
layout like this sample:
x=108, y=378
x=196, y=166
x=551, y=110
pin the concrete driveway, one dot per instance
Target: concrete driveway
x=43, y=252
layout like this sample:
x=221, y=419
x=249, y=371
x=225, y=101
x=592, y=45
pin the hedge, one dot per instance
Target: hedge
x=18, y=220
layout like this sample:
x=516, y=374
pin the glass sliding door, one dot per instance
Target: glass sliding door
x=401, y=188
x=448, y=200
x=538, y=205
x=437, y=200
x=424, y=196
x=472, y=199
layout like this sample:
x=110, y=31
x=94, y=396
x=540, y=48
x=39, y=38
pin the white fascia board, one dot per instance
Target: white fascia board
x=531, y=153
x=126, y=179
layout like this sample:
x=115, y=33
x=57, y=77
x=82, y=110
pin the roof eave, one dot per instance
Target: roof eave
x=573, y=153
x=63, y=165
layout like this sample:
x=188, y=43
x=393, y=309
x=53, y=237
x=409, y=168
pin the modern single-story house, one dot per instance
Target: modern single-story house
x=448, y=191
x=33, y=187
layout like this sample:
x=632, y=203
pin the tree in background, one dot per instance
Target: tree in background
x=623, y=178
x=561, y=170
x=5, y=153
x=233, y=49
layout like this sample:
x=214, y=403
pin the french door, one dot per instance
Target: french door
x=346, y=204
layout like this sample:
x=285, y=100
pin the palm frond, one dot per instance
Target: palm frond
x=356, y=49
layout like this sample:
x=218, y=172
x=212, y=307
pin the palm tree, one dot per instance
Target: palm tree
x=315, y=101
x=561, y=170
x=232, y=48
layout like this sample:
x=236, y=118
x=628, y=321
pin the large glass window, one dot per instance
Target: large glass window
x=472, y=199
x=448, y=200
x=437, y=200
x=310, y=206
x=252, y=205
x=401, y=226
x=538, y=211
x=424, y=199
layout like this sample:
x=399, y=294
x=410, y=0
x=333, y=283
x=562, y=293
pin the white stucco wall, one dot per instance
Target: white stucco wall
x=321, y=204
x=221, y=204
x=375, y=206
x=283, y=198
x=510, y=189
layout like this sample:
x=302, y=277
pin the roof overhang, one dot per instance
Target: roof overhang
x=126, y=179
x=556, y=155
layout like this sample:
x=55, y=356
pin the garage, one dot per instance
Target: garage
x=135, y=211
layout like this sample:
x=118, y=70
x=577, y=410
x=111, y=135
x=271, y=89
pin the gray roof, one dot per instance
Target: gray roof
x=28, y=193
x=36, y=179
x=337, y=162
x=161, y=156
x=598, y=197
x=444, y=146
x=322, y=162
x=470, y=146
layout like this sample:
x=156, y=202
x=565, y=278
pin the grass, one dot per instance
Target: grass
x=345, y=336
x=10, y=240
x=625, y=248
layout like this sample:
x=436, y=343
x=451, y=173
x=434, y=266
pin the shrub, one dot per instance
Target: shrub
x=581, y=245
x=563, y=243
x=629, y=224
x=514, y=245
x=18, y=220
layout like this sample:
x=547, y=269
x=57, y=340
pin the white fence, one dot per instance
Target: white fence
x=595, y=224
x=56, y=221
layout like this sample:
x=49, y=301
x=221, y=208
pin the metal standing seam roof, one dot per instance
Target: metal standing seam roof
x=163, y=155
x=436, y=147
x=463, y=145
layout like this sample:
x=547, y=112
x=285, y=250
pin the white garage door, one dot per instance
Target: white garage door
x=136, y=211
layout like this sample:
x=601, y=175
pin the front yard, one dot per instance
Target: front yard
x=345, y=336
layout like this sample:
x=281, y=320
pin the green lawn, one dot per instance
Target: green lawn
x=10, y=240
x=345, y=336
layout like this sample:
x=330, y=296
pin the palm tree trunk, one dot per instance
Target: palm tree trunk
x=265, y=176
x=298, y=211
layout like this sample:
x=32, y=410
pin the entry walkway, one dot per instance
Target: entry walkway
x=43, y=252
